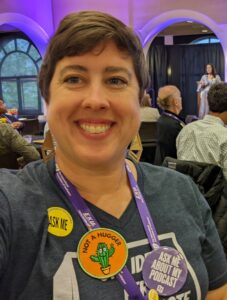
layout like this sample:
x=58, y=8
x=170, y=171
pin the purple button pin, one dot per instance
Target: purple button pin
x=165, y=270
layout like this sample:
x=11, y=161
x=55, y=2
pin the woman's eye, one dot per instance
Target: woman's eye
x=73, y=79
x=117, y=82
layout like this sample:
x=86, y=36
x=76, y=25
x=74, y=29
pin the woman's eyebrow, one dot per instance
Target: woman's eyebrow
x=110, y=69
x=113, y=69
x=73, y=68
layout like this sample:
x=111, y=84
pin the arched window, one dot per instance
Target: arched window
x=19, y=66
x=206, y=40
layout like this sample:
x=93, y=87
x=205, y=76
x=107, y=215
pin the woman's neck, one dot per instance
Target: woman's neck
x=105, y=187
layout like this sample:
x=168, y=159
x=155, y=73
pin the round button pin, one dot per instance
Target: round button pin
x=153, y=295
x=102, y=253
x=165, y=271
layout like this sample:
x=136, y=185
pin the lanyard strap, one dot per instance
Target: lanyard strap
x=124, y=277
x=143, y=211
x=173, y=117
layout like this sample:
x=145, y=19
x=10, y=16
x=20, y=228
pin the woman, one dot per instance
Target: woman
x=205, y=83
x=148, y=113
x=71, y=229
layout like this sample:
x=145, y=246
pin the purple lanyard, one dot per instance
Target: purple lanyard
x=124, y=277
x=173, y=117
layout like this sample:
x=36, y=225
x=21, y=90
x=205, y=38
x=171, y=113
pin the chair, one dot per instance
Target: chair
x=208, y=177
x=9, y=161
x=135, y=148
x=47, y=149
x=31, y=126
x=148, y=134
x=211, y=182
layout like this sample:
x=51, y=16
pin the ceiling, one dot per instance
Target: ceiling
x=185, y=28
x=180, y=28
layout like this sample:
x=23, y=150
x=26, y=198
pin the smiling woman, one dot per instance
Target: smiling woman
x=93, y=79
x=95, y=127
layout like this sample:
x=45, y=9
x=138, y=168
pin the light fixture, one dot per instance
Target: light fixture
x=204, y=30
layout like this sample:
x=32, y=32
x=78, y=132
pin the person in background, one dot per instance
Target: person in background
x=148, y=113
x=12, y=142
x=205, y=140
x=10, y=119
x=81, y=225
x=206, y=81
x=169, y=124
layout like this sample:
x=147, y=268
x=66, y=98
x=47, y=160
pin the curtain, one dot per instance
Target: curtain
x=157, y=58
x=183, y=65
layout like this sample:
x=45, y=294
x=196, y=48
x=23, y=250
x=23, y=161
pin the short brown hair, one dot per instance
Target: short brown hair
x=81, y=32
x=217, y=97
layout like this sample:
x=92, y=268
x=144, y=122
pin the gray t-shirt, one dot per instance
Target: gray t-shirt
x=39, y=264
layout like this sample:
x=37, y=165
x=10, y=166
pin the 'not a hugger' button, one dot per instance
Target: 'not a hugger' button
x=60, y=221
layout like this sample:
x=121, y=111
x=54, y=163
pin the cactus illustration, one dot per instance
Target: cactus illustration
x=103, y=254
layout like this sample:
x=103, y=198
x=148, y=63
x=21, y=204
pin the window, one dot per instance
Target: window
x=19, y=66
x=206, y=40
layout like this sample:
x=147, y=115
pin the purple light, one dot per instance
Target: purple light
x=32, y=29
x=158, y=23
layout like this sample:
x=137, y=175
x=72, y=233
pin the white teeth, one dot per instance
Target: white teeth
x=95, y=128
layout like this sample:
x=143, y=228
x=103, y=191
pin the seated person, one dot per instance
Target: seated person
x=205, y=140
x=148, y=113
x=12, y=141
x=169, y=124
x=12, y=120
x=47, y=209
x=206, y=81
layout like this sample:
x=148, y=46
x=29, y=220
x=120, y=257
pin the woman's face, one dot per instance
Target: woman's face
x=93, y=110
x=209, y=69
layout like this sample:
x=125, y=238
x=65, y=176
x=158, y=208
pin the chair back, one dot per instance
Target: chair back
x=31, y=126
x=148, y=134
x=9, y=161
x=48, y=150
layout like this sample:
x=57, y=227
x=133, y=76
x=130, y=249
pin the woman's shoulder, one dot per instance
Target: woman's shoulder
x=168, y=184
x=31, y=176
x=160, y=175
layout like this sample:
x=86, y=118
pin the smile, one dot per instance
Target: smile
x=95, y=128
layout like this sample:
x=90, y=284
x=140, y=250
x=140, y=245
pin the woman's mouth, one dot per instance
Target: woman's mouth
x=95, y=128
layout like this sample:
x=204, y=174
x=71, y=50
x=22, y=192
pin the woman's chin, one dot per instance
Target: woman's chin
x=97, y=160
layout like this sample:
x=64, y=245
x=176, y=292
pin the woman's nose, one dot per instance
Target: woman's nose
x=95, y=98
